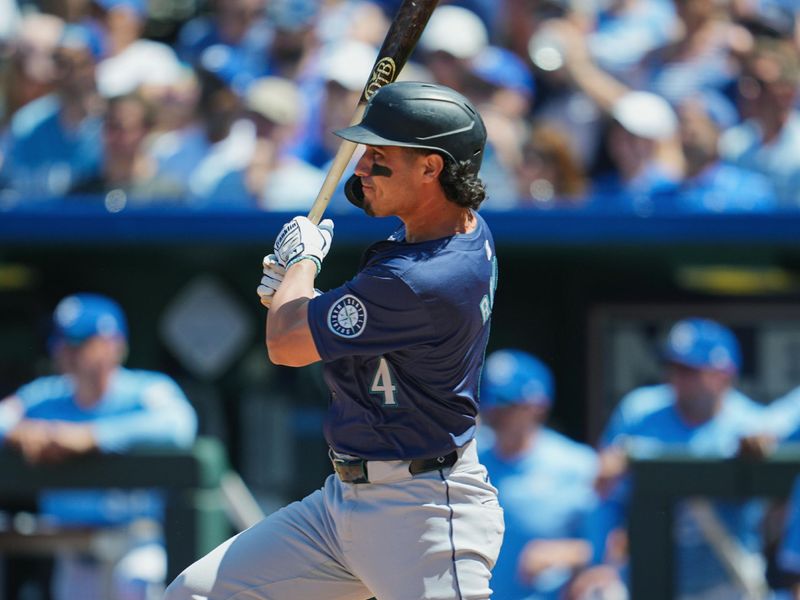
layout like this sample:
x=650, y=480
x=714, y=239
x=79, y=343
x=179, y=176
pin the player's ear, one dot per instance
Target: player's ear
x=432, y=165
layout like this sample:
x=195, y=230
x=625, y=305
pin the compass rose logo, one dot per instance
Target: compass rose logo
x=347, y=317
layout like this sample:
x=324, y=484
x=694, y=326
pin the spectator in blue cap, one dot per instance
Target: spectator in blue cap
x=697, y=410
x=53, y=142
x=97, y=405
x=544, y=480
x=240, y=25
x=693, y=344
x=710, y=184
x=508, y=79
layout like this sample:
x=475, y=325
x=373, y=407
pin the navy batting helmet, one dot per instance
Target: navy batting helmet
x=515, y=377
x=421, y=115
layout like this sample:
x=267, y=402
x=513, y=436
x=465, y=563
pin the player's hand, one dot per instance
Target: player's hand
x=300, y=239
x=612, y=466
x=271, y=281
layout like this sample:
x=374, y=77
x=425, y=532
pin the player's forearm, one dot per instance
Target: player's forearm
x=289, y=339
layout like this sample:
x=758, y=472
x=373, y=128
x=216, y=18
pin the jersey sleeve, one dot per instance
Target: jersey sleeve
x=370, y=315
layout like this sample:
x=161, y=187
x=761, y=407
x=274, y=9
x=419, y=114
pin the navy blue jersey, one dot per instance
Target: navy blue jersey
x=403, y=344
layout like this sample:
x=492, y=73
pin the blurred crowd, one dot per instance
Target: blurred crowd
x=622, y=106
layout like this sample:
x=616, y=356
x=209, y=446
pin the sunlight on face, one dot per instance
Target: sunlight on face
x=390, y=177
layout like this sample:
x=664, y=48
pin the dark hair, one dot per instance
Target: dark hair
x=461, y=184
x=459, y=181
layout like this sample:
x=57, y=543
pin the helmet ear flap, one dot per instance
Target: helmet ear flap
x=354, y=191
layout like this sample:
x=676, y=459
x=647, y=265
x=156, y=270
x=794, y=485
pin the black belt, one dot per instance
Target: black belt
x=354, y=470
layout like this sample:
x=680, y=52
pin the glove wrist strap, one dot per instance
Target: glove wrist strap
x=314, y=259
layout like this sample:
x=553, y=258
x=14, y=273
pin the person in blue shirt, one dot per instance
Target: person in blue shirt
x=95, y=405
x=710, y=184
x=544, y=480
x=410, y=512
x=694, y=412
x=704, y=335
x=54, y=142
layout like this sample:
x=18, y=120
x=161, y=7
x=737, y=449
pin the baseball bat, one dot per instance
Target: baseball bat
x=403, y=34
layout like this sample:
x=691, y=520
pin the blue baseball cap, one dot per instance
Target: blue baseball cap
x=229, y=66
x=502, y=68
x=81, y=316
x=76, y=35
x=702, y=344
x=512, y=377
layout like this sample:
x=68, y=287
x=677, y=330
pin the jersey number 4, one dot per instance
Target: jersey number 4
x=382, y=384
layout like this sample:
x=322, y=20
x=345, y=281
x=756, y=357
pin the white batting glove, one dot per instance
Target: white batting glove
x=271, y=281
x=300, y=239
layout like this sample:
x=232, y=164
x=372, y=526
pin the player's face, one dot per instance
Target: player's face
x=390, y=177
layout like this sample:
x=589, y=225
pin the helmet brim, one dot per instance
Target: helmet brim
x=363, y=135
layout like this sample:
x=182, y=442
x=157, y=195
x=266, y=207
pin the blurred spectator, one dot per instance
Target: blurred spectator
x=453, y=37
x=550, y=175
x=358, y=20
x=177, y=141
x=624, y=31
x=128, y=176
x=710, y=184
x=769, y=140
x=295, y=36
x=500, y=78
x=501, y=86
x=237, y=24
x=334, y=90
x=698, y=59
x=97, y=405
x=696, y=411
x=560, y=102
x=642, y=123
x=54, y=142
x=229, y=138
x=273, y=179
x=544, y=480
x=31, y=71
x=130, y=61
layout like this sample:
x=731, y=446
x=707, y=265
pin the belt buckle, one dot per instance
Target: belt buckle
x=350, y=470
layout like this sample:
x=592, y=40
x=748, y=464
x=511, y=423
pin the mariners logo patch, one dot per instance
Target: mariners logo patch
x=347, y=317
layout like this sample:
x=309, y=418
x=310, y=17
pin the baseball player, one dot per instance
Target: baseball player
x=696, y=414
x=685, y=341
x=409, y=513
x=96, y=405
x=544, y=480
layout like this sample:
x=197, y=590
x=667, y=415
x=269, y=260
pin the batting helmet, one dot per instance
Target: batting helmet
x=421, y=115
x=515, y=377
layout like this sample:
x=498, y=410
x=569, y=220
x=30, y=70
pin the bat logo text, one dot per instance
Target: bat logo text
x=383, y=73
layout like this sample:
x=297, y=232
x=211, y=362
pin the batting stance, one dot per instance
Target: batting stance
x=410, y=513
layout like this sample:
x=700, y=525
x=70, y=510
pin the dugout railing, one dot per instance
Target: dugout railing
x=195, y=519
x=659, y=483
